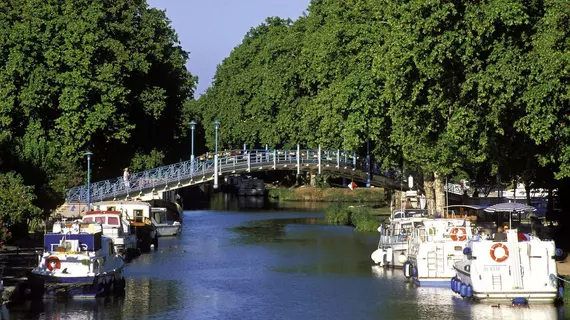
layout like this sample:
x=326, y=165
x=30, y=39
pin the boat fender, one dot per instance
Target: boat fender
x=407, y=269
x=414, y=272
x=53, y=262
x=453, y=281
x=560, y=289
x=520, y=301
x=463, y=290
x=458, y=286
x=469, y=292
x=505, y=255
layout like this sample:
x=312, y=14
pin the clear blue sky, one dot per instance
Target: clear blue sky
x=210, y=29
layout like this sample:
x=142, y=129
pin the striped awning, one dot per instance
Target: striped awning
x=510, y=207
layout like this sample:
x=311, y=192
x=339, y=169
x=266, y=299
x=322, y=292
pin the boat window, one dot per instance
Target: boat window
x=138, y=215
x=111, y=209
x=100, y=220
x=113, y=221
x=88, y=219
x=157, y=217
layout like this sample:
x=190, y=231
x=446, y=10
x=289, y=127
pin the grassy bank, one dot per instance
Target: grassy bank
x=359, y=195
x=361, y=218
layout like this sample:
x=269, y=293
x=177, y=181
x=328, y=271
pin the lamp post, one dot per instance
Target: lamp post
x=217, y=126
x=88, y=154
x=192, y=127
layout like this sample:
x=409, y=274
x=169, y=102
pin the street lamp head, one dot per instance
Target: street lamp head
x=217, y=124
x=192, y=124
x=88, y=154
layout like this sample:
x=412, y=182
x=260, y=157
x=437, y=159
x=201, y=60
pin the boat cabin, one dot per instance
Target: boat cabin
x=134, y=211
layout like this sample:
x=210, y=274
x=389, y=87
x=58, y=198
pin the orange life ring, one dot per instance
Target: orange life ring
x=505, y=255
x=52, y=263
x=456, y=235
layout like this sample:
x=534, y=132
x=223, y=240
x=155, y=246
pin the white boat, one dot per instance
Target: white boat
x=167, y=217
x=516, y=271
x=116, y=227
x=79, y=263
x=433, y=250
x=392, y=248
x=138, y=213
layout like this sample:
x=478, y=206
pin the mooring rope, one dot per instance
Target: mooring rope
x=559, y=278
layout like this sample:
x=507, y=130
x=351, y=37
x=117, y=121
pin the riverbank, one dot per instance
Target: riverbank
x=362, y=218
x=359, y=195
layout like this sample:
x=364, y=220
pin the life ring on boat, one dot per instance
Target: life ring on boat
x=53, y=262
x=505, y=254
x=458, y=234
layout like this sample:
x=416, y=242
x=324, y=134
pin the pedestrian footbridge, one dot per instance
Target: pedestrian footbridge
x=152, y=183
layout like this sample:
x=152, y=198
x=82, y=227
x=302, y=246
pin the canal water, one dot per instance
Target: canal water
x=268, y=264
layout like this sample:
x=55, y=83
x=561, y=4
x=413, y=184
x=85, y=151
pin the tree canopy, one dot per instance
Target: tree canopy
x=77, y=75
x=448, y=87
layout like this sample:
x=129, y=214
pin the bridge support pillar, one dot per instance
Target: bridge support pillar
x=216, y=171
x=319, y=158
x=298, y=161
x=248, y=161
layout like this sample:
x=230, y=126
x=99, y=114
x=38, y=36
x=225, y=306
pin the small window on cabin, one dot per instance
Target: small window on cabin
x=157, y=217
x=138, y=215
x=100, y=220
x=88, y=219
x=111, y=209
x=113, y=221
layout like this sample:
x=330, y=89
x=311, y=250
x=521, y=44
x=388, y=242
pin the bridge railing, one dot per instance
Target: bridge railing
x=203, y=166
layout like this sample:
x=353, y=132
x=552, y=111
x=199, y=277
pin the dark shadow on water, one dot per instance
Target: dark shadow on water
x=272, y=231
x=231, y=202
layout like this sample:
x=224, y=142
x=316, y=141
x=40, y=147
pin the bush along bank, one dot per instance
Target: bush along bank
x=361, y=218
x=360, y=195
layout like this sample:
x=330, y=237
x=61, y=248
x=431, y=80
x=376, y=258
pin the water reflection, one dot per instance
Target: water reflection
x=143, y=298
x=429, y=301
x=231, y=202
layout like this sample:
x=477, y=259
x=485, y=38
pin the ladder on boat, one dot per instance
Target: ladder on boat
x=497, y=282
x=440, y=259
x=432, y=263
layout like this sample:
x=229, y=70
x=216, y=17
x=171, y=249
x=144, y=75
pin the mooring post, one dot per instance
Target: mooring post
x=338, y=158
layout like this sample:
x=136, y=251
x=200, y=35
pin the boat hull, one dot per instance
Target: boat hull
x=168, y=230
x=389, y=256
x=509, y=270
x=50, y=287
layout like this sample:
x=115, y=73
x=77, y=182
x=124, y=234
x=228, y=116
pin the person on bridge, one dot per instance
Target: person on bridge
x=126, y=177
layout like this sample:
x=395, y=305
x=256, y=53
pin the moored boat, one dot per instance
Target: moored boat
x=116, y=227
x=519, y=270
x=433, y=250
x=138, y=214
x=79, y=263
x=392, y=248
x=167, y=217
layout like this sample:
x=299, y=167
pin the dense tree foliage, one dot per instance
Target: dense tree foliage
x=448, y=88
x=77, y=75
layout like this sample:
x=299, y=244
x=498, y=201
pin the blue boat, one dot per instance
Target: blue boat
x=78, y=262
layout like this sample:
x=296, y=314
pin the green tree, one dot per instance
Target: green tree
x=77, y=75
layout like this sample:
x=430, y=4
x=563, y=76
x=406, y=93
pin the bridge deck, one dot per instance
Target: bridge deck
x=201, y=170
